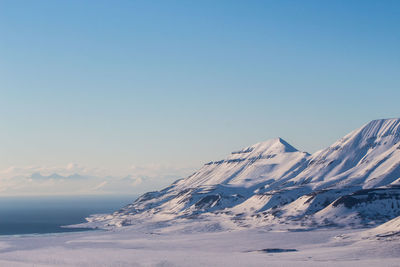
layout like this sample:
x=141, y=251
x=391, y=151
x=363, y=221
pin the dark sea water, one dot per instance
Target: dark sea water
x=40, y=215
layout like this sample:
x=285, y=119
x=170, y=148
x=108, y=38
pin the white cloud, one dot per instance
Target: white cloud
x=74, y=178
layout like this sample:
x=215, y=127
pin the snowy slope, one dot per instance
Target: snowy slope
x=365, y=206
x=352, y=182
x=388, y=229
x=366, y=157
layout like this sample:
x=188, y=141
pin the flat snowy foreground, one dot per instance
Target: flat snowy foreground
x=252, y=247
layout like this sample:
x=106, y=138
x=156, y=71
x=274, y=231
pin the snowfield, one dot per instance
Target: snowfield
x=264, y=205
x=130, y=246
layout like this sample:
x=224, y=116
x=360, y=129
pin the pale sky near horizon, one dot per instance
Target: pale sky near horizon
x=168, y=85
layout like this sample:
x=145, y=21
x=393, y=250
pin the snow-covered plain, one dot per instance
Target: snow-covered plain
x=265, y=205
x=130, y=246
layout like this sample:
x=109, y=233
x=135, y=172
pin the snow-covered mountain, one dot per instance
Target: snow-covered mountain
x=355, y=181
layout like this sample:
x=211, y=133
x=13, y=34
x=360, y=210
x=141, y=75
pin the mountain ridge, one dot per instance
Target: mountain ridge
x=353, y=182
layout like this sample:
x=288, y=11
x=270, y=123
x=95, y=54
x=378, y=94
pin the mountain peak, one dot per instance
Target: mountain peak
x=276, y=145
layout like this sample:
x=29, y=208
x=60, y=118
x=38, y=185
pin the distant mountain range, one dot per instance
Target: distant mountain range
x=354, y=182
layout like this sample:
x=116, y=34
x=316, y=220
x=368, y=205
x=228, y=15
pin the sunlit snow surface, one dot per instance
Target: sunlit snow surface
x=140, y=246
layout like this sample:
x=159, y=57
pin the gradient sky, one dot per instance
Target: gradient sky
x=115, y=84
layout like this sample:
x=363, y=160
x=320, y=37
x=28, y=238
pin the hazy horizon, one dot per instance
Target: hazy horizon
x=132, y=96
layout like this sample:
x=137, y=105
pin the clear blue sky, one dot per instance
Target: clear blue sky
x=116, y=83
